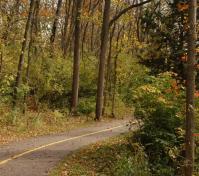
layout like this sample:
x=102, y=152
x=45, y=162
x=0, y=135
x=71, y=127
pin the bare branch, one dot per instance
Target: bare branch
x=116, y=17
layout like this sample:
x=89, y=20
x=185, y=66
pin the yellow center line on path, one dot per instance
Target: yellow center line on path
x=54, y=143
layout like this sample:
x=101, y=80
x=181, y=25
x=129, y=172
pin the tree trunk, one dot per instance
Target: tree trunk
x=115, y=72
x=21, y=59
x=1, y=61
x=75, y=85
x=27, y=72
x=108, y=72
x=190, y=83
x=55, y=24
x=10, y=19
x=64, y=37
x=32, y=49
x=93, y=26
x=92, y=37
x=102, y=59
x=85, y=30
x=71, y=29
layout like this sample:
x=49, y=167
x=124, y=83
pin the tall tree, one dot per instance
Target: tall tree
x=23, y=48
x=76, y=63
x=102, y=59
x=190, y=83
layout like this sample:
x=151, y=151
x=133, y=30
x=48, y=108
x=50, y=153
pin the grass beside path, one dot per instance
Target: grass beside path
x=15, y=127
x=113, y=157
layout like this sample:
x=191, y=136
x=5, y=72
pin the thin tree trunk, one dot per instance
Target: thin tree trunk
x=92, y=36
x=37, y=26
x=13, y=14
x=102, y=59
x=32, y=49
x=76, y=64
x=190, y=83
x=64, y=37
x=24, y=45
x=91, y=9
x=27, y=74
x=71, y=29
x=84, y=37
x=85, y=29
x=114, y=86
x=108, y=72
x=55, y=24
x=1, y=61
x=115, y=72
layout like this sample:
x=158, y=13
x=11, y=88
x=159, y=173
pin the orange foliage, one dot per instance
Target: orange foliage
x=24, y=14
x=196, y=94
x=174, y=88
x=197, y=50
x=196, y=134
x=174, y=85
x=46, y=12
x=25, y=1
x=182, y=6
x=184, y=58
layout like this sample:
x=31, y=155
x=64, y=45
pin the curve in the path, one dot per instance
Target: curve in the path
x=37, y=156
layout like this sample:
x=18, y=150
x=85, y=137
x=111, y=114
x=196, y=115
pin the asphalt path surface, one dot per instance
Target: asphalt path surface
x=38, y=156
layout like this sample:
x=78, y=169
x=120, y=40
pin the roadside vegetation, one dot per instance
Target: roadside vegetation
x=17, y=126
x=159, y=104
x=116, y=157
x=64, y=63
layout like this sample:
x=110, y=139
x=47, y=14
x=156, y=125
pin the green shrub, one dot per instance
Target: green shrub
x=6, y=90
x=162, y=137
x=11, y=118
x=161, y=90
x=197, y=139
x=159, y=104
x=86, y=106
x=135, y=164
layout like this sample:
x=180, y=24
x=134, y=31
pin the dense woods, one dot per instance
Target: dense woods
x=106, y=58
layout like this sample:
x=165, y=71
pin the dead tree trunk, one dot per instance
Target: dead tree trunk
x=76, y=64
x=102, y=59
x=190, y=83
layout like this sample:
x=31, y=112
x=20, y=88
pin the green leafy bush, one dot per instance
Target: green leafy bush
x=6, y=90
x=135, y=164
x=163, y=89
x=160, y=106
x=86, y=106
x=163, y=137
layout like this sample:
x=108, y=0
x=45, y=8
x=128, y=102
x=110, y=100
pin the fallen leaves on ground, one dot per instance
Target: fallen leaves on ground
x=96, y=160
